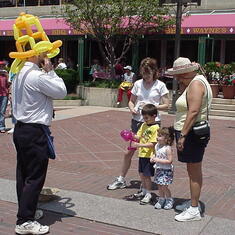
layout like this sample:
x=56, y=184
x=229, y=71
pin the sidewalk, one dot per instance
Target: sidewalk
x=90, y=153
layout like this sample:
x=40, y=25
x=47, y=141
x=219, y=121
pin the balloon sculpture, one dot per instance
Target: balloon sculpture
x=28, y=30
x=129, y=136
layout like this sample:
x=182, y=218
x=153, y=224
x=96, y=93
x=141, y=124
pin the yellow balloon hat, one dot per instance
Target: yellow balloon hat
x=23, y=34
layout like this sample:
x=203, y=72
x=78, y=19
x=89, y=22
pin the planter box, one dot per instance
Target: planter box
x=215, y=90
x=105, y=97
x=228, y=91
x=68, y=102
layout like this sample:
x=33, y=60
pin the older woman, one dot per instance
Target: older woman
x=148, y=90
x=192, y=107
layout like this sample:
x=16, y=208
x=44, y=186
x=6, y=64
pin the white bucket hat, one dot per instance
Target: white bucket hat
x=128, y=67
x=182, y=65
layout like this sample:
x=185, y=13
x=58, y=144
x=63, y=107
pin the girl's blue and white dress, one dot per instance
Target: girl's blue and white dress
x=163, y=172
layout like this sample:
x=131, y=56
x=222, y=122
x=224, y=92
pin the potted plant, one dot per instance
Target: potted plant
x=213, y=74
x=228, y=86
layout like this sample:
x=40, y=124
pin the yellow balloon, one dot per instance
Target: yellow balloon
x=24, y=23
x=53, y=53
x=22, y=55
x=16, y=66
x=43, y=46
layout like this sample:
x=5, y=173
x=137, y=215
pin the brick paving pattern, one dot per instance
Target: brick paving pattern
x=90, y=153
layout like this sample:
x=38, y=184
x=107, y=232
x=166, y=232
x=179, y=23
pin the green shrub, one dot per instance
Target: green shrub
x=102, y=84
x=70, y=78
x=71, y=98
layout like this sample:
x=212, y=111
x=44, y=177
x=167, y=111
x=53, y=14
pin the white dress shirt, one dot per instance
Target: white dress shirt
x=33, y=94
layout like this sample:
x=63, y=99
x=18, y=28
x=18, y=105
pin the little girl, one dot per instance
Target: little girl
x=163, y=167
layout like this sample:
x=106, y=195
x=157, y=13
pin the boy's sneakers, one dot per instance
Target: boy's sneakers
x=185, y=205
x=118, y=183
x=169, y=204
x=139, y=195
x=191, y=214
x=160, y=203
x=147, y=199
x=31, y=227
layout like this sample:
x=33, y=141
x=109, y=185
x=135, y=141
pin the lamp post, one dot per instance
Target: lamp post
x=180, y=3
x=176, y=54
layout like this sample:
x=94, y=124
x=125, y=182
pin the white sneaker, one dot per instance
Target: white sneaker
x=11, y=131
x=31, y=227
x=147, y=199
x=188, y=215
x=185, y=205
x=118, y=104
x=38, y=214
x=117, y=184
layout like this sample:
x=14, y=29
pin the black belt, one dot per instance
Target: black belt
x=19, y=123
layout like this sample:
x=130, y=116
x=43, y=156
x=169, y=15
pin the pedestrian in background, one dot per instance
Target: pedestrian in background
x=128, y=80
x=4, y=92
x=61, y=64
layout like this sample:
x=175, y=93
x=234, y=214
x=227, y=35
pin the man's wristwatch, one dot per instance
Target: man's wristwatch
x=182, y=135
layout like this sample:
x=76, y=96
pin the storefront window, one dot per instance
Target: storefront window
x=21, y=3
x=230, y=51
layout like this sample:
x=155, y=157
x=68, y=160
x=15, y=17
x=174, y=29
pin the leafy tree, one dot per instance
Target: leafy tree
x=109, y=21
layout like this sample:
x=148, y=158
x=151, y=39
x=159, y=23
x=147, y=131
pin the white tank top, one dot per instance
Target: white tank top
x=161, y=152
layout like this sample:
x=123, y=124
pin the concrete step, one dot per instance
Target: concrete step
x=223, y=107
x=223, y=101
x=224, y=113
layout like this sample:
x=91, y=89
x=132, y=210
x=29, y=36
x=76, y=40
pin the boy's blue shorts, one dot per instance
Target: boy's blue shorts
x=146, y=167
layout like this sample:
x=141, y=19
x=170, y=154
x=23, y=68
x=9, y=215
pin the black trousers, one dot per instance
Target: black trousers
x=32, y=161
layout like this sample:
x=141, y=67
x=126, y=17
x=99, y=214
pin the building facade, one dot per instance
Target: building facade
x=208, y=34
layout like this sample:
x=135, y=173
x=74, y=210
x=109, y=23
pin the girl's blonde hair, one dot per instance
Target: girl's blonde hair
x=147, y=66
x=168, y=133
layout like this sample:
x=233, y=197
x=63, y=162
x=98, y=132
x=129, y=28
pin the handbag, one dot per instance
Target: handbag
x=201, y=129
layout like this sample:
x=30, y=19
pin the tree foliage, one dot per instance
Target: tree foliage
x=108, y=21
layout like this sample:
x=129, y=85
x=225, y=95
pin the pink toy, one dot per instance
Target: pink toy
x=127, y=135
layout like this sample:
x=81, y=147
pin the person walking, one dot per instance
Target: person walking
x=148, y=90
x=33, y=91
x=4, y=92
x=192, y=110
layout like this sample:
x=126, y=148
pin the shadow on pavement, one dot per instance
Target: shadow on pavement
x=61, y=206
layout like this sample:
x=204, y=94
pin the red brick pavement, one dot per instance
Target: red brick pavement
x=61, y=224
x=90, y=153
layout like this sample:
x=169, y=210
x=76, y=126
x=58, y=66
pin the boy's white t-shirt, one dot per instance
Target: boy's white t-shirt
x=144, y=96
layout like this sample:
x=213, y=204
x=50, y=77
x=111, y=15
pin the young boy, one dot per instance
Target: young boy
x=147, y=136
